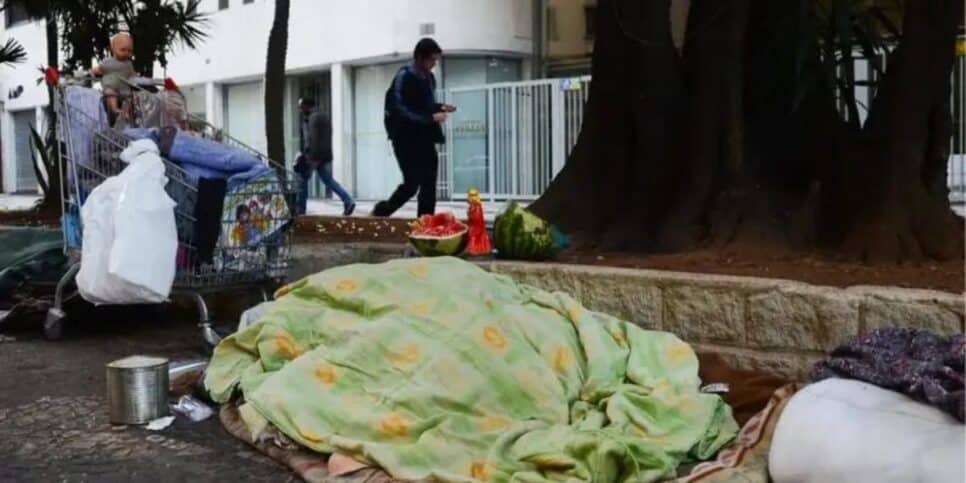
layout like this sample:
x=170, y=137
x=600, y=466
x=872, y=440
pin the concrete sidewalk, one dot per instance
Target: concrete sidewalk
x=17, y=202
x=54, y=412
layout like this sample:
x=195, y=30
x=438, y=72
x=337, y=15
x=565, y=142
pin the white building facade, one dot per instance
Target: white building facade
x=341, y=52
x=21, y=105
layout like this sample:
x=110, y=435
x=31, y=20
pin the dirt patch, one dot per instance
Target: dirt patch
x=316, y=229
x=814, y=269
x=29, y=218
x=946, y=276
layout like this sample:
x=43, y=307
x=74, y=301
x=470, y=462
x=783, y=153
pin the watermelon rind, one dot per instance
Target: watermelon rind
x=522, y=235
x=440, y=246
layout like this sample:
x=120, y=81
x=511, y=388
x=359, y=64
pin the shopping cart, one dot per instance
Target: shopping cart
x=228, y=257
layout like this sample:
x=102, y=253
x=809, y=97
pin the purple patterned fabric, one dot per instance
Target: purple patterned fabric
x=915, y=362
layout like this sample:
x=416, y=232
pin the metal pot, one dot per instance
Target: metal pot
x=137, y=389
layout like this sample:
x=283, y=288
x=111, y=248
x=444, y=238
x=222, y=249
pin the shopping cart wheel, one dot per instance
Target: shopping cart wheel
x=54, y=323
x=208, y=333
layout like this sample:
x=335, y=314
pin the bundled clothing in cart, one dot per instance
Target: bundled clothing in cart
x=231, y=210
x=253, y=207
x=204, y=158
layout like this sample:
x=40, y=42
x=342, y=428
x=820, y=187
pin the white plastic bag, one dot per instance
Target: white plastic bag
x=145, y=235
x=130, y=239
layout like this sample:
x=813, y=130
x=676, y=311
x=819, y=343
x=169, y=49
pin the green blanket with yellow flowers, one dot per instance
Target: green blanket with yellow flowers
x=435, y=369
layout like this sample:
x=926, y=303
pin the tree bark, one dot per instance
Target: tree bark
x=902, y=214
x=733, y=140
x=275, y=83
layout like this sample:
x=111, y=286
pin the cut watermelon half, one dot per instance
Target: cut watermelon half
x=439, y=235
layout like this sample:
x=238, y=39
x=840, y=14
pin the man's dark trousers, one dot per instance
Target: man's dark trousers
x=419, y=164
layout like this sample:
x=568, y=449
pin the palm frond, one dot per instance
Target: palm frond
x=188, y=23
x=12, y=53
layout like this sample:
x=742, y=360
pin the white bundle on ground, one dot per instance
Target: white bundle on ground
x=844, y=431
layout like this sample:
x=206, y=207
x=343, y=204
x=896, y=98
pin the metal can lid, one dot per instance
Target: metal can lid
x=137, y=362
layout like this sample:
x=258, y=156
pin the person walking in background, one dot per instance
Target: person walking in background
x=413, y=121
x=316, y=156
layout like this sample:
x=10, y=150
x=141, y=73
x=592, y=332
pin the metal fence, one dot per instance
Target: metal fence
x=509, y=140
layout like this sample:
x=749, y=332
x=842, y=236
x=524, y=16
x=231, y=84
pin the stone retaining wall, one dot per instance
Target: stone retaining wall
x=776, y=325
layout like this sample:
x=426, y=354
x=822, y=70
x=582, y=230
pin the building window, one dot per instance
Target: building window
x=15, y=14
x=248, y=1
x=222, y=4
x=590, y=21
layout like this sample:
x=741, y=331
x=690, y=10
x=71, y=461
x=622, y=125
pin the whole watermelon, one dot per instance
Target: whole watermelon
x=520, y=235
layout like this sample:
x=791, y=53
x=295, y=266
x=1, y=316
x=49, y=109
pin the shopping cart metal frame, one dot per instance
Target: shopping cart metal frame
x=258, y=265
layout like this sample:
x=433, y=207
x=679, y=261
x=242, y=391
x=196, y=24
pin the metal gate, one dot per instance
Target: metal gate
x=509, y=140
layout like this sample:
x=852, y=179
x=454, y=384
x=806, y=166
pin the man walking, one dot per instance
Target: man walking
x=413, y=119
x=316, y=156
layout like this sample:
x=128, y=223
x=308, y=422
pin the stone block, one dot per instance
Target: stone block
x=700, y=314
x=793, y=366
x=879, y=312
x=802, y=318
x=552, y=278
x=312, y=258
x=626, y=297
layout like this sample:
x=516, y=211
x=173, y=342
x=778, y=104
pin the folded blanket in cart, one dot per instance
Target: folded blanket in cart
x=83, y=116
x=204, y=158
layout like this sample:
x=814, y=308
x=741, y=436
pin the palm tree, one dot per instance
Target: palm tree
x=275, y=82
x=86, y=28
x=158, y=26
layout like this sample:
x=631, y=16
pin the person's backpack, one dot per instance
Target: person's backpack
x=388, y=119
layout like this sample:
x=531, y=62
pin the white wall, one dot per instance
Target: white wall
x=25, y=75
x=323, y=32
x=33, y=38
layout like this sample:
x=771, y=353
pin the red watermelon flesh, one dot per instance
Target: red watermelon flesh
x=441, y=225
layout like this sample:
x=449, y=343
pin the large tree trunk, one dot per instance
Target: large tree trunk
x=275, y=83
x=724, y=141
x=902, y=211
